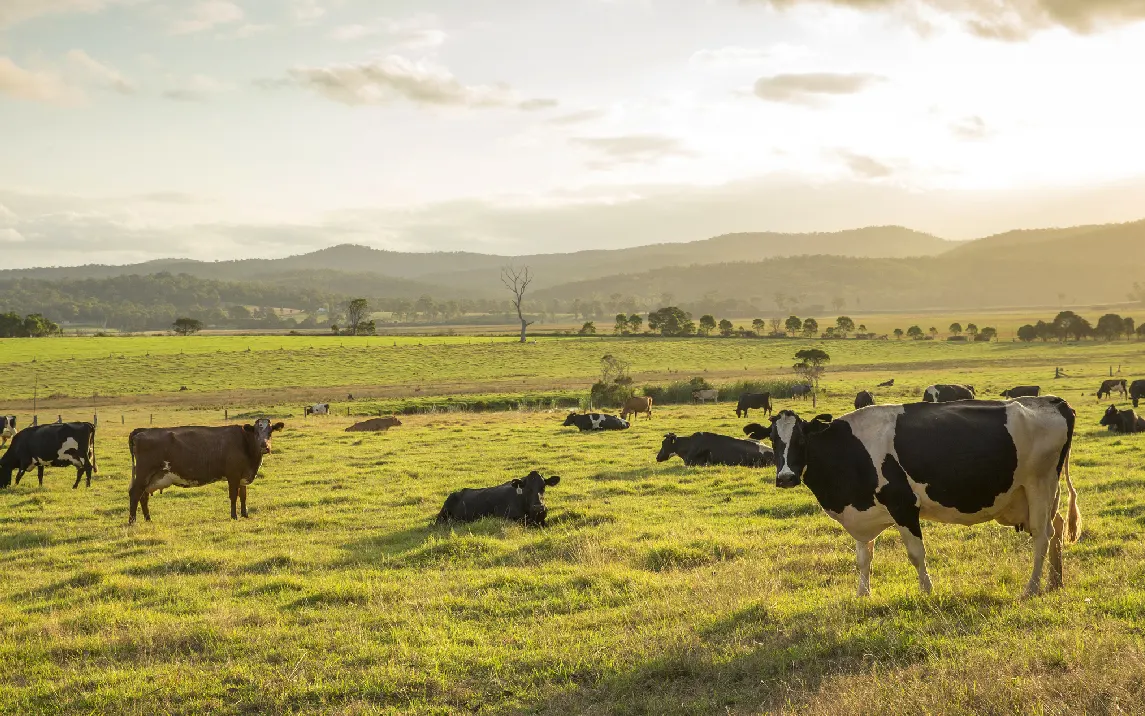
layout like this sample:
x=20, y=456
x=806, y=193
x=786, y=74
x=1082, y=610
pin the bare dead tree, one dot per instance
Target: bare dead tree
x=517, y=281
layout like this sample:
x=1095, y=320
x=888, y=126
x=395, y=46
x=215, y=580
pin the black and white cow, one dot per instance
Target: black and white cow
x=1137, y=392
x=55, y=445
x=713, y=449
x=758, y=401
x=1111, y=386
x=1123, y=421
x=317, y=409
x=946, y=393
x=963, y=463
x=7, y=428
x=863, y=399
x=1023, y=391
x=595, y=421
x=520, y=500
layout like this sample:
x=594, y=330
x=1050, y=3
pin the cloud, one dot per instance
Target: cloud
x=198, y=88
x=417, y=33
x=207, y=14
x=807, y=88
x=578, y=117
x=970, y=128
x=632, y=149
x=307, y=11
x=736, y=56
x=864, y=166
x=13, y=12
x=11, y=236
x=35, y=86
x=102, y=75
x=393, y=78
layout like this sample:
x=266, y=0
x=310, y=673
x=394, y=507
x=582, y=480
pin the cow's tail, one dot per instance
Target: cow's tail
x=131, y=449
x=1073, y=516
x=94, y=467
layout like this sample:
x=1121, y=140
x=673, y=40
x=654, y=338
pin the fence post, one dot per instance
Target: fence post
x=226, y=415
x=151, y=420
x=122, y=420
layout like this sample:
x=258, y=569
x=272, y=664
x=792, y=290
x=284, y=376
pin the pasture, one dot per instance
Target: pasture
x=656, y=588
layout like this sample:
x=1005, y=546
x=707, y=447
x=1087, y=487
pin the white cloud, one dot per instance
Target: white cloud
x=197, y=88
x=864, y=166
x=970, y=128
x=100, y=74
x=13, y=12
x=207, y=14
x=307, y=11
x=11, y=236
x=807, y=88
x=632, y=149
x=737, y=56
x=35, y=86
x=420, y=32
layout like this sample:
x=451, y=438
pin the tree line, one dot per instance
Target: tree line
x=1068, y=325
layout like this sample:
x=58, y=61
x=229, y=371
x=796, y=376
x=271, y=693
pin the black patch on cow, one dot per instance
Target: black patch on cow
x=960, y=451
x=899, y=499
x=839, y=469
x=1137, y=392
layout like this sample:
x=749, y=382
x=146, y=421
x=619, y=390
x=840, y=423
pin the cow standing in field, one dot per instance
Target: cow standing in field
x=749, y=401
x=1023, y=391
x=374, y=425
x=1122, y=421
x=1111, y=386
x=1137, y=392
x=635, y=406
x=863, y=399
x=964, y=462
x=947, y=393
x=595, y=421
x=7, y=428
x=196, y=456
x=713, y=449
x=703, y=396
x=54, y=445
x=801, y=390
x=317, y=409
x=520, y=500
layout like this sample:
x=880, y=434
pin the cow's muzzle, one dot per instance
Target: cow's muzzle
x=786, y=479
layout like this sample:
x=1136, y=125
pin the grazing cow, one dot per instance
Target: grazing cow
x=1136, y=392
x=703, y=396
x=374, y=425
x=55, y=445
x=1122, y=421
x=595, y=421
x=801, y=390
x=317, y=409
x=520, y=500
x=889, y=384
x=1023, y=391
x=1111, y=386
x=963, y=462
x=713, y=449
x=7, y=428
x=863, y=399
x=758, y=401
x=634, y=406
x=947, y=393
x=195, y=456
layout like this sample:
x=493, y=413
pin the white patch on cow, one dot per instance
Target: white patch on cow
x=875, y=429
x=863, y=525
x=932, y=393
x=596, y=420
x=69, y=452
x=785, y=425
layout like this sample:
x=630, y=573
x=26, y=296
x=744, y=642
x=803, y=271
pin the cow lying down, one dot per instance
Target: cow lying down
x=1122, y=421
x=520, y=500
x=595, y=421
x=713, y=449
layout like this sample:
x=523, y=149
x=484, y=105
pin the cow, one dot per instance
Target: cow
x=595, y=421
x=863, y=399
x=374, y=425
x=520, y=500
x=703, y=396
x=195, y=456
x=1122, y=421
x=964, y=462
x=1111, y=386
x=946, y=393
x=889, y=384
x=1137, y=392
x=7, y=428
x=1022, y=391
x=713, y=449
x=317, y=409
x=634, y=406
x=748, y=401
x=54, y=445
x=801, y=390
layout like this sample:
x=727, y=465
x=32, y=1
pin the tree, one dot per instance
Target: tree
x=1027, y=333
x=588, y=329
x=862, y=328
x=635, y=322
x=956, y=329
x=987, y=334
x=1128, y=327
x=726, y=327
x=671, y=321
x=838, y=302
x=36, y=326
x=517, y=281
x=187, y=326
x=1110, y=326
x=844, y=325
x=812, y=364
x=707, y=323
x=357, y=310
x=898, y=333
x=621, y=326
x=810, y=327
x=1138, y=293
x=914, y=333
x=614, y=369
x=793, y=325
x=933, y=332
x=972, y=331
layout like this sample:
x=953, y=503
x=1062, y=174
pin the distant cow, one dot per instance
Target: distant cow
x=634, y=406
x=317, y=409
x=703, y=396
x=374, y=425
x=713, y=449
x=1136, y=392
x=595, y=421
x=520, y=500
x=7, y=428
x=890, y=383
x=1122, y=421
x=801, y=390
x=1111, y=386
x=947, y=393
x=863, y=399
x=757, y=401
x=55, y=445
x=197, y=456
x=1023, y=391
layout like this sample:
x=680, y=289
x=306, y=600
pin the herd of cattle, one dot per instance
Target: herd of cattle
x=950, y=458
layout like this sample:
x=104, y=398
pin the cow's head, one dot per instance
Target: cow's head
x=570, y=419
x=789, y=435
x=971, y=389
x=531, y=489
x=1110, y=417
x=667, y=448
x=755, y=431
x=260, y=433
x=1005, y=393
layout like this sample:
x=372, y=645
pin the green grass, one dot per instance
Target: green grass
x=656, y=588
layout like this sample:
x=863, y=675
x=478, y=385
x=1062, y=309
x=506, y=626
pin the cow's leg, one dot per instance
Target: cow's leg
x=20, y=474
x=1042, y=511
x=1055, y=578
x=40, y=474
x=79, y=476
x=242, y=500
x=144, y=502
x=234, y=486
x=88, y=468
x=135, y=493
x=917, y=553
x=864, y=552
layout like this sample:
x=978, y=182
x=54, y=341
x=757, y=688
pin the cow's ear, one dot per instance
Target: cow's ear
x=773, y=418
x=824, y=418
x=249, y=428
x=550, y=481
x=276, y=427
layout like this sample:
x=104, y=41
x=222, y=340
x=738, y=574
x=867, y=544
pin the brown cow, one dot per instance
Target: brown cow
x=374, y=425
x=635, y=406
x=196, y=456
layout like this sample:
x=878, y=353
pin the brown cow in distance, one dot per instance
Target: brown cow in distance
x=195, y=456
x=374, y=425
x=634, y=406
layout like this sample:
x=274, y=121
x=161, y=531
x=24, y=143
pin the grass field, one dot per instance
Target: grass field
x=656, y=588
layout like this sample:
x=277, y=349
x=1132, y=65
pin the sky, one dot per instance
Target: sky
x=219, y=129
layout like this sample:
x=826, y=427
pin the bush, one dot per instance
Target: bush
x=679, y=392
x=609, y=395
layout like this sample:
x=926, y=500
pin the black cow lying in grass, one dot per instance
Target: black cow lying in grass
x=518, y=500
x=1122, y=421
x=713, y=449
x=595, y=421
